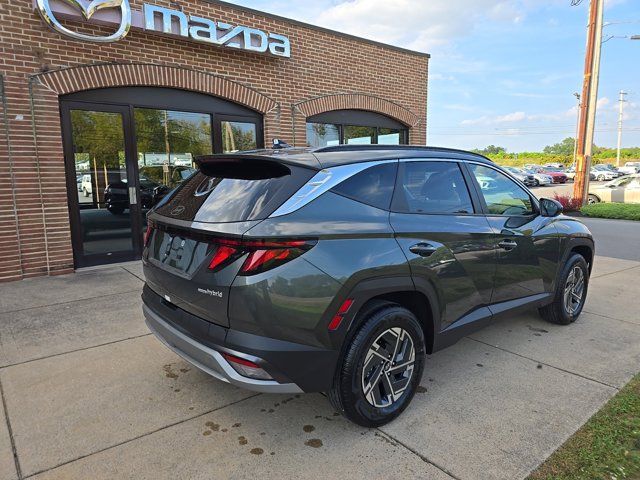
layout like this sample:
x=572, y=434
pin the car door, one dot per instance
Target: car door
x=527, y=243
x=447, y=242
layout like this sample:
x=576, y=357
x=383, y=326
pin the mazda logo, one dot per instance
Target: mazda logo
x=88, y=9
x=179, y=210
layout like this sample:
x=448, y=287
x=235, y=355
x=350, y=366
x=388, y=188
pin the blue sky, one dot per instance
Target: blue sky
x=502, y=72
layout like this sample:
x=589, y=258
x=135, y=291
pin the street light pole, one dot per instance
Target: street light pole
x=589, y=101
x=620, y=119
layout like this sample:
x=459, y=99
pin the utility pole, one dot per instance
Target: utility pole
x=620, y=118
x=586, y=128
x=575, y=140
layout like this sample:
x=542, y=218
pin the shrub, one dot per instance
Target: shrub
x=569, y=203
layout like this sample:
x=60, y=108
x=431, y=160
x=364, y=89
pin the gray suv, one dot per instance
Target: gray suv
x=337, y=269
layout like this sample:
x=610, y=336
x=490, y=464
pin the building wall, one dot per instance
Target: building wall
x=326, y=71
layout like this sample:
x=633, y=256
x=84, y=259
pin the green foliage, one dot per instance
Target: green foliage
x=559, y=153
x=564, y=148
x=491, y=150
x=620, y=211
x=606, y=447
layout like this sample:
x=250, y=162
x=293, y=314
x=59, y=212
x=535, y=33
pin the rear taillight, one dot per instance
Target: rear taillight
x=148, y=232
x=262, y=255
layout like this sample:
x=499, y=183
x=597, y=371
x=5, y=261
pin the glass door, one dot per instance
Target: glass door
x=102, y=183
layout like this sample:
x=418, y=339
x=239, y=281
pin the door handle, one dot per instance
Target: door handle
x=423, y=249
x=508, y=245
x=132, y=196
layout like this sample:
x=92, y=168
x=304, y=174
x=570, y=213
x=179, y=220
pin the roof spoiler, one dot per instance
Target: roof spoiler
x=243, y=167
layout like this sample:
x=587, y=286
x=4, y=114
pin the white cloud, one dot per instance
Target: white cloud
x=602, y=102
x=421, y=25
x=511, y=117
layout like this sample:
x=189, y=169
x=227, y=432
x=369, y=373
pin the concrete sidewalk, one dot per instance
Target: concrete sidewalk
x=89, y=393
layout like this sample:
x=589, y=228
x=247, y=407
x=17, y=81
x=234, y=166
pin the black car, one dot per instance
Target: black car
x=336, y=270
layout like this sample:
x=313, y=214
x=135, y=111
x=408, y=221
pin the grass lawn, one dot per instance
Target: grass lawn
x=606, y=447
x=621, y=211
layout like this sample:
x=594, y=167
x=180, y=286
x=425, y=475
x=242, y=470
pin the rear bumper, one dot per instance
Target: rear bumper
x=208, y=359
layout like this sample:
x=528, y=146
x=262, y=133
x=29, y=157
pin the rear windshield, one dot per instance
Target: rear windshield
x=235, y=193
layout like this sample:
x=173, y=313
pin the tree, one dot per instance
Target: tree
x=491, y=150
x=565, y=147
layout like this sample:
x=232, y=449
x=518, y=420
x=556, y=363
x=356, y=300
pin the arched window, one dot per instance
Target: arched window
x=354, y=127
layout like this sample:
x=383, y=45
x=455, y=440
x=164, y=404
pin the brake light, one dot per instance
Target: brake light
x=223, y=254
x=147, y=233
x=263, y=255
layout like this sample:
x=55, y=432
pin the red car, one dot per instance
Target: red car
x=557, y=175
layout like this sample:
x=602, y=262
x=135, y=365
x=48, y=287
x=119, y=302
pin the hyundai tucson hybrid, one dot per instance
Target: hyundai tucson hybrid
x=337, y=269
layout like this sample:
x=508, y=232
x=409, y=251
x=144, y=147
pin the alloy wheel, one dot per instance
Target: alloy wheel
x=388, y=367
x=574, y=290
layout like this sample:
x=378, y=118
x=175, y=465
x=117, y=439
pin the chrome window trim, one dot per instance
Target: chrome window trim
x=322, y=182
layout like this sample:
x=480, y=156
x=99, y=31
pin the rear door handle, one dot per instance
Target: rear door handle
x=423, y=249
x=508, y=245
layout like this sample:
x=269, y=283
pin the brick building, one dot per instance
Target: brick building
x=95, y=129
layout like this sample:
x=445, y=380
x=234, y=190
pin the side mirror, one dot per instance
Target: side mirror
x=550, y=207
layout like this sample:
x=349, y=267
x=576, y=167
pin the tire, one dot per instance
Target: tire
x=600, y=178
x=360, y=368
x=561, y=311
x=591, y=199
x=536, y=183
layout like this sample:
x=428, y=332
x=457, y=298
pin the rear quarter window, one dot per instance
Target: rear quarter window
x=373, y=186
x=235, y=192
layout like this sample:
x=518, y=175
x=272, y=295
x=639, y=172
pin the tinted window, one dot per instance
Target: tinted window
x=234, y=192
x=432, y=187
x=373, y=186
x=502, y=195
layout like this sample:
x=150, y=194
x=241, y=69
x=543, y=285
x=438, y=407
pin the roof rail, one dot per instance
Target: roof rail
x=422, y=148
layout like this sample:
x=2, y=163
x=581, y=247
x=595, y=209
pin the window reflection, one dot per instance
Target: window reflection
x=238, y=136
x=354, y=135
x=327, y=135
x=388, y=136
x=99, y=157
x=322, y=135
x=168, y=143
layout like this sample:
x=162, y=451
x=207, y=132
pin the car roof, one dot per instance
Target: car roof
x=325, y=157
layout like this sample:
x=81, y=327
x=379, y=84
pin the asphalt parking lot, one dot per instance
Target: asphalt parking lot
x=89, y=393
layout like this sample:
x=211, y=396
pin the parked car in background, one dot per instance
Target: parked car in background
x=604, y=173
x=337, y=269
x=540, y=179
x=116, y=195
x=526, y=178
x=557, y=176
x=621, y=190
x=571, y=173
x=86, y=186
x=630, y=168
x=557, y=166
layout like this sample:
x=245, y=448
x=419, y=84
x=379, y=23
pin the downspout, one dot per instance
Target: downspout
x=5, y=115
x=37, y=152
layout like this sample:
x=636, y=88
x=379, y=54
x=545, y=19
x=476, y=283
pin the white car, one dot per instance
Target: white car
x=86, y=186
x=621, y=190
x=541, y=179
x=604, y=174
x=630, y=168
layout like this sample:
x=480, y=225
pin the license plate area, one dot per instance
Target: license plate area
x=177, y=253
